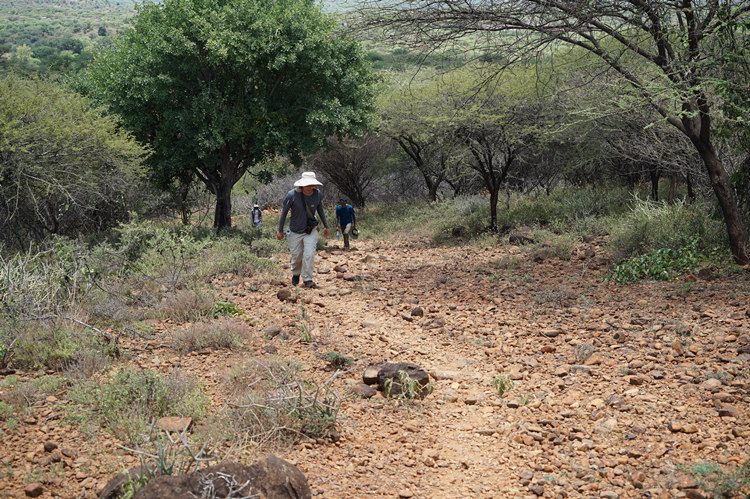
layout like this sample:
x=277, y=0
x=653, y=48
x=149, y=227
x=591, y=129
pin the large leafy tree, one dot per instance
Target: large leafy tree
x=215, y=86
x=64, y=168
x=664, y=49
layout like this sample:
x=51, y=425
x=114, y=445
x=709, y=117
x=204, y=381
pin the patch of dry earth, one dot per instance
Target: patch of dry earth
x=615, y=386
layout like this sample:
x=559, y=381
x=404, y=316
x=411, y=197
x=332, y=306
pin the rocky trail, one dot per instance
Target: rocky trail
x=615, y=387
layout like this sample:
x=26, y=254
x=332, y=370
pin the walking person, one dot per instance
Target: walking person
x=345, y=219
x=304, y=201
x=256, y=216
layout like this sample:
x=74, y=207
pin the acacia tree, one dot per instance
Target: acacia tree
x=664, y=49
x=496, y=122
x=411, y=117
x=64, y=168
x=215, y=86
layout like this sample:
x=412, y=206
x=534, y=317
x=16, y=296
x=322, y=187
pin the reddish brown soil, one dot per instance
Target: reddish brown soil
x=616, y=386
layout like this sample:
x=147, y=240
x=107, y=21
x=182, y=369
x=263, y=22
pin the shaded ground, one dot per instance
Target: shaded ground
x=615, y=386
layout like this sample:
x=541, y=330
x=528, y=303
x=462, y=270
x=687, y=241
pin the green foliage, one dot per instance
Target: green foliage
x=660, y=265
x=649, y=226
x=336, y=360
x=224, y=308
x=502, y=383
x=214, y=98
x=719, y=482
x=132, y=398
x=65, y=168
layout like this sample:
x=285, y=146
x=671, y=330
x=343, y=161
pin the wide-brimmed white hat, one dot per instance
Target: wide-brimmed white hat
x=307, y=178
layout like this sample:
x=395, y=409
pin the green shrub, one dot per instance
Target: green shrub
x=660, y=265
x=719, y=482
x=132, y=398
x=406, y=387
x=336, y=360
x=502, y=383
x=651, y=226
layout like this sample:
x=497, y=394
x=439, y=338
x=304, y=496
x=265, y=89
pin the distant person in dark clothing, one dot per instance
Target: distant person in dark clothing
x=345, y=219
x=305, y=201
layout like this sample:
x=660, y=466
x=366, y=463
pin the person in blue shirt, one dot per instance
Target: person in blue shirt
x=345, y=219
x=304, y=201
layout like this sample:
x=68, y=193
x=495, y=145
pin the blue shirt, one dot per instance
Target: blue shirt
x=344, y=215
x=298, y=219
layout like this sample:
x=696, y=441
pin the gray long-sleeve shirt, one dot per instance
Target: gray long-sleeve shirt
x=295, y=201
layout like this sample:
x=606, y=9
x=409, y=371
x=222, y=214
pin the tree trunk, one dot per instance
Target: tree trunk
x=223, y=213
x=727, y=203
x=655, y=184
x=493, y=208
x=184, y=189
x=672, y=188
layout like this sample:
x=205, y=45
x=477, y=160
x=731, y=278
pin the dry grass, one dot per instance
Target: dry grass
x=220, y=333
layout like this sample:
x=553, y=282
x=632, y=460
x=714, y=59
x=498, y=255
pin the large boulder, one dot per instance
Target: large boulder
x=392, y=371
x=270, y=478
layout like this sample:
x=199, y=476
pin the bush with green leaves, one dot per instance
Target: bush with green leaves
x=336, y=360
x=128, y=402
x=719, y=482
x=650, y=226
x=405, y=387
x=660, y=265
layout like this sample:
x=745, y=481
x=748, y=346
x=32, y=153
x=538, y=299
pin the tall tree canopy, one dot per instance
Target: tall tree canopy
x=666, y=50
x=215, y=86
x=64, y=168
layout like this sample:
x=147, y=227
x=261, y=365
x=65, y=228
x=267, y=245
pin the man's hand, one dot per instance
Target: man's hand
x=279, y=235
x=325, y=232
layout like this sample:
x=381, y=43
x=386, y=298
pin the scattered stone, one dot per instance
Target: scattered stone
x=33, y=490
x=364, y=391
x=729, y=411
x=417, y=312
x=370, y=376
x=271, y=331
x=286, y=294
x=711, y=384
x=348, y=276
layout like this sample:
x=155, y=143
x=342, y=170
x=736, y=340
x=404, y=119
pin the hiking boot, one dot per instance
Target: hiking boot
x=295, y=280
x=310, y=284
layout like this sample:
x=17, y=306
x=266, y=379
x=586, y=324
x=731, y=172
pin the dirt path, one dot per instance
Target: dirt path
x=615, y=386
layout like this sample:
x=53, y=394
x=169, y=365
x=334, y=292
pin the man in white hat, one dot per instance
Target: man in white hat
x=305, y=201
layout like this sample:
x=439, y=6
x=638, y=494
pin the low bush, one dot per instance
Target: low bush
x=132, y=398
x=660, y=265
x=222, y=333
x=651, y=226
x=274, y=406
x=185, y=305
x=718, y=481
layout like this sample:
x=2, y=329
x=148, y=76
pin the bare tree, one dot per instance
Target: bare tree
x=349, y=164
